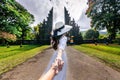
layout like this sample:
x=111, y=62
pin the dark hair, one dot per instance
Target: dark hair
x=55, y=38
x=55, y=42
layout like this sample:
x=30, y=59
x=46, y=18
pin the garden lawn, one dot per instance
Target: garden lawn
x=113, y=49
x=108, y=54
x=11, y=57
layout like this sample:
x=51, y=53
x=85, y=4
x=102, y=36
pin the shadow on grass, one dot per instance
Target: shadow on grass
x=16, y=50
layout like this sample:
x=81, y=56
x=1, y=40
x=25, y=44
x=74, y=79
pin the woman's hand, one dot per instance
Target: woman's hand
x=60, y=63
x=55, y=68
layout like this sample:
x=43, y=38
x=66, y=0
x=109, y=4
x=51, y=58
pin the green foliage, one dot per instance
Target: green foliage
x=91, y=34
x=117, y=40
x=102, y=36
x=38, y=31
x=118, y=35
x=11, y=57
x=80, y=36
x=106, y=14
x=14, y=18
x=30, y=35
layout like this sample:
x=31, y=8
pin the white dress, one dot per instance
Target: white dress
x=62, y=42
x=62, y=74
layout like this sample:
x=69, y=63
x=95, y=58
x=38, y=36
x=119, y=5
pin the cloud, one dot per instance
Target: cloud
x=40, y=9
x=84, y=22
x=76, y=7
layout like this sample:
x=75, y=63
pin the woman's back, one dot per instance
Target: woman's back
x=62, y=42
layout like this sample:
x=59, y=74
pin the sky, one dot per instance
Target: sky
x=41, y=8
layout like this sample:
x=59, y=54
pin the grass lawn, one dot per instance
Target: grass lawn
x=109, y=54
x=11, y=57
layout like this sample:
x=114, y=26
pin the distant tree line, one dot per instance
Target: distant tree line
x=91, y=34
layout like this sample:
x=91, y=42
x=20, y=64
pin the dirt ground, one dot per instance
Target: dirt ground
x=80, y=67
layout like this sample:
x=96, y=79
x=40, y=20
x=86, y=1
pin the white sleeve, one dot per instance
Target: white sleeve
x=62, y=43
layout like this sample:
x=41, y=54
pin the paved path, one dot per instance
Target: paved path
x=31, y=69
x=79, y=67
x=83, y=67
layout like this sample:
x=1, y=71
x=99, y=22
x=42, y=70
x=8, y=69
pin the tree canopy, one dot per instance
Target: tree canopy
x=91, y=34
x=14, y=18
x=105, y=14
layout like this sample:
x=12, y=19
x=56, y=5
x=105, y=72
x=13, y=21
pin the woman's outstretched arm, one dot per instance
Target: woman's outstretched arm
x=60, y=52
x=55, y=68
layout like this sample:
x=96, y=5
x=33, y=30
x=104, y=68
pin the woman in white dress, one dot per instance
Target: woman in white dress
x=59, y=59
x=59, y=45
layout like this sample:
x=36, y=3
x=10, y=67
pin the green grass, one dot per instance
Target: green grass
x=110, y=48
x=108, y=54
x=11, y=57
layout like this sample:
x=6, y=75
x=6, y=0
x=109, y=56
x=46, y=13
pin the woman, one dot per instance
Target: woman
x=59, y=42
x=59, y=45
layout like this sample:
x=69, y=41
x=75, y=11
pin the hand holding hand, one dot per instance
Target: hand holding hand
x=57, y=65
x=60, y=63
